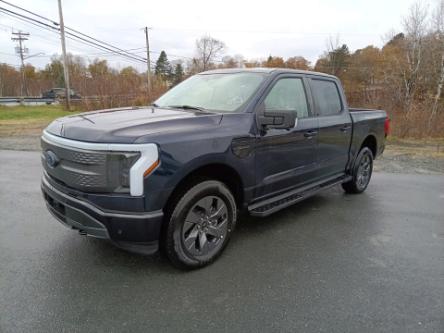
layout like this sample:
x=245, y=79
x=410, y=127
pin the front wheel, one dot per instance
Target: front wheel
x=362, y=172
x=200, y=225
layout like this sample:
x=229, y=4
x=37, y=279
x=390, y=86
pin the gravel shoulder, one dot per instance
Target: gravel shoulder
x=412, y=157
x=30, y=142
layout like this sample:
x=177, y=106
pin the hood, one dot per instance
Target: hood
x=126, y=125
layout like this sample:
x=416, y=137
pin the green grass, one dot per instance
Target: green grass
x=412, y=141
x=32, y=113
x=28, y=120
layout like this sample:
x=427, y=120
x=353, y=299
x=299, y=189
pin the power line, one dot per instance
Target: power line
x=75, y=31
x=105, y=53
x=97, y=40
x=27, y=11
x=68, y=28
x=56, y=30
x=105, y=43
x=93, y=42
x=46, y=39
x=83, y=38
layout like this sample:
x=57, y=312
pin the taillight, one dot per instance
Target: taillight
x=387, y=126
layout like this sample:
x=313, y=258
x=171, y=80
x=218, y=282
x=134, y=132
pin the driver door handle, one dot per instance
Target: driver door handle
x=345, y=128
x=311, y=133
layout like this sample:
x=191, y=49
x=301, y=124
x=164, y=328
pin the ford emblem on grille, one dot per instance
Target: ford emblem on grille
x=51, y=159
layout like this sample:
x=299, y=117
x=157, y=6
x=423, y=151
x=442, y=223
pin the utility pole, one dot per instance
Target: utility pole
x=65, y=60
x=148, y=62
x=20, y=37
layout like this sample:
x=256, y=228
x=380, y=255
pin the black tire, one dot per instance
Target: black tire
x=362, y=172
x=199, y=227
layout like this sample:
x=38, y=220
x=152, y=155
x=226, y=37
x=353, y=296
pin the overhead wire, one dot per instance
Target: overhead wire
x=93, y=43
x=81, y=37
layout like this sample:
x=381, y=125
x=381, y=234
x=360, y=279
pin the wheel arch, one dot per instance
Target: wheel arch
x=216, y=171
x=371, y=143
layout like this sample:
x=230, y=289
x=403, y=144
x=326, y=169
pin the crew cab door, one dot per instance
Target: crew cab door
x=286, y=158
x=335, y=126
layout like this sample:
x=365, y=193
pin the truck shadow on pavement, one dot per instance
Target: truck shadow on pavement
x=248, y=228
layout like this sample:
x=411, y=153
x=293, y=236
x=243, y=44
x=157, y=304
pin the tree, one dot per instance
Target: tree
x=98, y=68
x=252, y=63
x=208, y=49
x=274, y=62
x=178, y=74
x=30, y=72
x=236, y=61
x=101, y=74
x=297, y=63
x=54, y=72
x=415, y=28
x=228, y=62
x=163, y=67
x=363, y=76
x=10, y=80
x=437, y=58
x=395, y=39
x=128, y=71
x=335, y=60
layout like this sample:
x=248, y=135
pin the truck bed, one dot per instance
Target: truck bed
x=365, y=122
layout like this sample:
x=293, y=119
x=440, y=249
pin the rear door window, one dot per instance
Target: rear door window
x=326, y=96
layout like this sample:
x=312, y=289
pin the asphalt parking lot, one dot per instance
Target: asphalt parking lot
x=334, y=263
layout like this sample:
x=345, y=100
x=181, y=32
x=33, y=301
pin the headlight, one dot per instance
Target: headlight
x=126, y=161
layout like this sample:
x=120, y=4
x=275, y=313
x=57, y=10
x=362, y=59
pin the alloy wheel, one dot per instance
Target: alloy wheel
x=364, y=171
x=205, y=226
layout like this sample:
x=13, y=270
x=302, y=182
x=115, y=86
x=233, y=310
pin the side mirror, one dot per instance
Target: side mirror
x=279, y=119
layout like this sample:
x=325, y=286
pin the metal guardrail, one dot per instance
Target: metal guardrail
x=25, y=100
x=17, y=100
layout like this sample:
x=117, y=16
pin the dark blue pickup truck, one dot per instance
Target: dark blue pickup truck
x=175, y=175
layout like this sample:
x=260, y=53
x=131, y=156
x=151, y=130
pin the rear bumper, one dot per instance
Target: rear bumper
x=137, y=232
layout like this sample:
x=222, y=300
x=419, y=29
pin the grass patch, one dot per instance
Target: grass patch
x=413, y=141
x=430, y=147
x=28, y=120
x=29, y=113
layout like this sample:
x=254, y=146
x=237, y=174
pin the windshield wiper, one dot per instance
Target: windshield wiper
x=188, y=107
x=82, y=116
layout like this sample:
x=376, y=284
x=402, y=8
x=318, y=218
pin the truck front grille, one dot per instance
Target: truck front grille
x=86, y=170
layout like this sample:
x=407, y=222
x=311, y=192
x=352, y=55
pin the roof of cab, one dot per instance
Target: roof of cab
x=265, y=70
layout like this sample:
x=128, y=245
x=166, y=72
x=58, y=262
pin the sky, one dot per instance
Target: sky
x=254, y=29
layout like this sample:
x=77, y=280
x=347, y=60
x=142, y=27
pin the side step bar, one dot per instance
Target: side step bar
x=269, y=206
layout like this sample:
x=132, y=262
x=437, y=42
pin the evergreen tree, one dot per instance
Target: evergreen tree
x=178, y=74
x=163, y=67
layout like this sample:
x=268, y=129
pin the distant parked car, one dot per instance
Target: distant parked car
x=59, y=93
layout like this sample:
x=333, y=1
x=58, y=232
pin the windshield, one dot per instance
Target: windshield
x=216, y=92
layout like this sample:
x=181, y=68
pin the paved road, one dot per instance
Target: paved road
x=334, y=263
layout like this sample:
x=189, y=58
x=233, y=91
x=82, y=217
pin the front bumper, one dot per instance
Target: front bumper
x=137, y=232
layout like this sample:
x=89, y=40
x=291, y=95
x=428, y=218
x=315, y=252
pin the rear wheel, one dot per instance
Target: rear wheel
x=362, y=172
x=200, y=225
